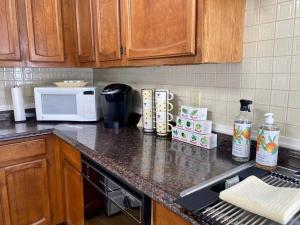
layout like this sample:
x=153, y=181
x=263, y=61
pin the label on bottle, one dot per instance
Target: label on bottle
x=241, y=139
x=267, y=147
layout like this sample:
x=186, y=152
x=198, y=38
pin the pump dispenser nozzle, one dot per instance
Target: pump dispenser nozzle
x=269, y=118
x=245, y=105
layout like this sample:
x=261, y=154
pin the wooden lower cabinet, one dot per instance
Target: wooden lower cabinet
x=72, y=185
x=163, y=216
x=30, y=182
x=42, y=185
x=25, y=193
x=40, y=182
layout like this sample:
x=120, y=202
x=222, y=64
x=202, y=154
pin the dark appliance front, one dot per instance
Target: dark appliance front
x=117, y=105
x=108, y=200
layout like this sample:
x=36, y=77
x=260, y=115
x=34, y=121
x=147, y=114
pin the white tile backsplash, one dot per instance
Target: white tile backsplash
x=267, y=14
x=265, y=48
x=281, y=82
x=269, y=73
x=284, y=29
x=29, y=78
x=285, y=10
x=283, y=46
x=266, y=31
x=294, y=99
x=252, y=17
x=282, y=64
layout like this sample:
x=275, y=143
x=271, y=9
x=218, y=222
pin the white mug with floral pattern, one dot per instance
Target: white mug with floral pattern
x=163, y=115
x=148, y=109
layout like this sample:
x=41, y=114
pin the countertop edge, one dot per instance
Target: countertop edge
x=20, y=135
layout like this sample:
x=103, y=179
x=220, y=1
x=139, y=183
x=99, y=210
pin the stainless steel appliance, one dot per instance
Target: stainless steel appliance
x=203, y=203
x=108, y=200
x=67, y=104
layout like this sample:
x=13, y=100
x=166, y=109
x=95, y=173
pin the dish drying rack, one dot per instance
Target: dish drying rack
x=228, y=214
x=205, y=206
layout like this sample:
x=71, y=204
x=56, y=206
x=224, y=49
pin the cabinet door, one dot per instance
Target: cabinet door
x=44, y=27
x=72, y=185
x=108, y=37
x=160, y=28
x=85, y=32
x=9, y=38
x=163, y=216
x=25, y=194
x=73, y=193
x=3, y=209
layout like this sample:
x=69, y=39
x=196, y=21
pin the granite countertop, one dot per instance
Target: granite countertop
x=159, y=167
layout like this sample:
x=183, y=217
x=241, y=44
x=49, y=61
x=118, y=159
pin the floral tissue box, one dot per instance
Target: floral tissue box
x=203, y=140
x=200, y=127
x=193, y=113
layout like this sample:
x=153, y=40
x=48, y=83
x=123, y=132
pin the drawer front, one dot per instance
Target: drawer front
x=22, y=150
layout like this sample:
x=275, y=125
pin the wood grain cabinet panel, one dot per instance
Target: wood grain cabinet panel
x=1, y=213
x=45, y=30
x=72, y=185
x=22, y=150
x=108, y=29
x=25, y=194
x=73, y=195
x=9, y=34
x=160, y=28
x=223, y=31
x=85, y=31
x=163, y=216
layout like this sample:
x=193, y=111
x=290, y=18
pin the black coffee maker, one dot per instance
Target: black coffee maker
x=117, y=105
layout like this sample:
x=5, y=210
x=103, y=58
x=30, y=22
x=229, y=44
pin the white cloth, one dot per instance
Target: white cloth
x=279, y=204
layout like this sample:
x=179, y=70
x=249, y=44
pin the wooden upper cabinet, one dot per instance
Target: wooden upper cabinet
x=45, y=30
x=159, y=28
x=108, y=29
x=85, y=31
x=9, y=33
x=25, y=194
x=223, y=31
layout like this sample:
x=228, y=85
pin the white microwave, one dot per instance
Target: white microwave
x=67, y=104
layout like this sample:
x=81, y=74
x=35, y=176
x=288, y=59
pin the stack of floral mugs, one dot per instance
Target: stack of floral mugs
x=156, y=111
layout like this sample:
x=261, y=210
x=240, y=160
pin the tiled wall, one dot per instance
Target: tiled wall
x=269, y=73
x=29, y=78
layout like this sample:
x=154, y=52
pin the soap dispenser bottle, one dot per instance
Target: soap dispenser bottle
x=242, y=133
x=267, y=144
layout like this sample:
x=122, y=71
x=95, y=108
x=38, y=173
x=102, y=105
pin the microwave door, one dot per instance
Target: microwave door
x=59, y=104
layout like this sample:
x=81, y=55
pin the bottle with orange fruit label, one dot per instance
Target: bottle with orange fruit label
x=267, y=144
x=242, y=133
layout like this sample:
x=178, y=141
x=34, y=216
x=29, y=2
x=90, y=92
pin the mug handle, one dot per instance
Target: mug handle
x=170, y=127
x=170, y=117
x=171, y=96
x=170, y=106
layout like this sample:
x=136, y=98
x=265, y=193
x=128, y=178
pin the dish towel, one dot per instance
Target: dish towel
x=275, y=203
